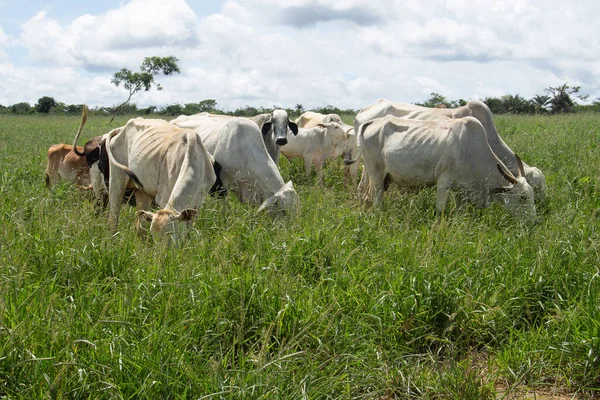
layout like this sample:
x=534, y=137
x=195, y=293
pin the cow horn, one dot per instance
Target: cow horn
x=520, y=166
x=506, y=173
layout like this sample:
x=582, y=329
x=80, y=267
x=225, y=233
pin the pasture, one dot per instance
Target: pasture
x=341, y=302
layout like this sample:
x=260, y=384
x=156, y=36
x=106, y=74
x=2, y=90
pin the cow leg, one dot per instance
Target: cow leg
x=441, y=199
x=116, y=191
x=307, y=165
x=354, y=173
x=364, y=188
x=319, y=170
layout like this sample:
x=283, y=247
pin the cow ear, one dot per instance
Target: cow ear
x=293, y=127
x=189, y=214
x=289, y=185
x=266, y=127
x=145, y=215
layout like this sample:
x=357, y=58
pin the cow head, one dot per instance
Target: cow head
x=279, y=122
x=168, y=221
x=518, y=198
x=283, y=203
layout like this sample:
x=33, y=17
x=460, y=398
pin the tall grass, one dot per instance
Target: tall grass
x=342, y=302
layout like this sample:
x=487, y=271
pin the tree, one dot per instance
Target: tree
x=173, y=109
x=136, y=81
x=561, y=101
x=45, y=104
x=495, y=105
x=435, y=99
x=539, y=103
x=74, y=108
x=207, y=105
x=515, y=104
x=21, y=108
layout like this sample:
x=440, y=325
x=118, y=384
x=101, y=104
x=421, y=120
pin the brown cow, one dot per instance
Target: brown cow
x=63, y=163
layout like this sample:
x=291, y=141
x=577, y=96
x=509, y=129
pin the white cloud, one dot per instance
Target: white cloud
x=114, y=39
x=314, y=52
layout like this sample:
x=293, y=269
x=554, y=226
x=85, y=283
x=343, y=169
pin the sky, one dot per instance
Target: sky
x=346, y=53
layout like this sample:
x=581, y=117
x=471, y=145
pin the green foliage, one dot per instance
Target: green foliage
x=21, y=108
x=173, y=109
x=437, y=100
x=45, y=104
x=515, y=104
x=341, y=302
x=561, y=101
x=539, y=103
x=208, y=105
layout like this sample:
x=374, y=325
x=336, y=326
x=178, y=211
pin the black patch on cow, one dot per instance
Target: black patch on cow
x=218, y=189
x=103, y=162
x=266, y=128
x=293, y=127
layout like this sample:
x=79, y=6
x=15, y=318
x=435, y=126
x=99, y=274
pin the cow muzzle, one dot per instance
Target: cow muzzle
x=281, y=141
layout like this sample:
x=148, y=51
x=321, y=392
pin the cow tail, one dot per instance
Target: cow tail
x=84, y=111
x=115, y=163
x=359, y=135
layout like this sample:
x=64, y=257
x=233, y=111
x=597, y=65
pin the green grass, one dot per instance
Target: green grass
x=342, y=302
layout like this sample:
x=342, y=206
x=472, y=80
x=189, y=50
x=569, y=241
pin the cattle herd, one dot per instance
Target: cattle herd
x=176, y=164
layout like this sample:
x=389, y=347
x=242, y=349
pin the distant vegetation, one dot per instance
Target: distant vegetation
x=554, y=100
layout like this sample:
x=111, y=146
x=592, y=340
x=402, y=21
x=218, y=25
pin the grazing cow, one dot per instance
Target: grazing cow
x=247, y=170
x=315, y=145
x=310, y=119
x=64, y=163
x=168, y=164
x=274, y=127
x=473, y=108
x=452, y=154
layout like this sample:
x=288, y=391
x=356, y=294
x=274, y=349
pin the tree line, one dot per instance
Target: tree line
x=555, y=100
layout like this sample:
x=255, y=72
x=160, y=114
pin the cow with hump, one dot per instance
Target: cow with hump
x=168, y=164
x=247, y=169
x=473, y=108
x=310, y=119
x=275, y=127
x=451, y=154
x=315, y=145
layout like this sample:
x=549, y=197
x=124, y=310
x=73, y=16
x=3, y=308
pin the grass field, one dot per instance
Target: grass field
x=342, y=302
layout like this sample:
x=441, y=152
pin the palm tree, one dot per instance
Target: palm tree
x=539, y=103
x=515, y=104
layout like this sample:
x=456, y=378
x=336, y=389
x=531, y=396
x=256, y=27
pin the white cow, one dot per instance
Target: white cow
x=315, y=145
x=246, y=168
x=168, y=164
x=310, y=119
x=451, y=154
x=274, y=127
x=473, y=108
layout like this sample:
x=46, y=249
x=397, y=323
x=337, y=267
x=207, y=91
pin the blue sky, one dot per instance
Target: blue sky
x=347, y=53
